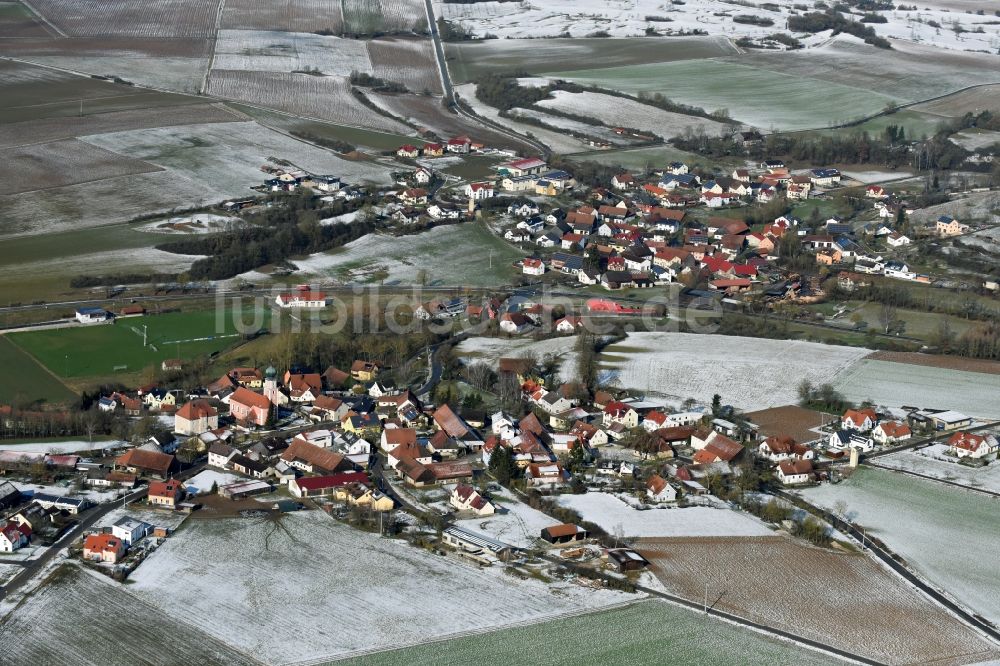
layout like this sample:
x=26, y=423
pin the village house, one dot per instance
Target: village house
x=533, y=266
x=130, y=530
x=479, y=191
x=219, y=455
x=414, y=196
x=103, y=547
x=949, y=226
x=14, y=536
x=302, y=299
x=795, y=472
x=364, y=371
x=782, y=447
x=862, y=420
x=659, y=491
x=620, y=412
x=196, y=417
x=165, y=493
x=515, y=323
x=466, y=498
x=891, y=432
x=544, y=475
x=971, y=445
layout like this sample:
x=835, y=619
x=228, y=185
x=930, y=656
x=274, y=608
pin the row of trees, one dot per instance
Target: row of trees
x=270, y=237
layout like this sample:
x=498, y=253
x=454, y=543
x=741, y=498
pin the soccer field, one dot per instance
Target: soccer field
x=102, y=350
x=25, y=380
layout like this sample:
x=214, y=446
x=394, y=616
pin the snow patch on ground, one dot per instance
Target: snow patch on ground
x=515, y=522
x=202, y=481
x=749, y=373
x=60, y=447
x=617, y=517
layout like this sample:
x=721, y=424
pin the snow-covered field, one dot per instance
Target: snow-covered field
x=568, y=124
x=624, y=18
x=199, y=223
x=491, y=350
x=309, y=588
x=227, y=156
x=948, y=534
x=149, y=258
x=79, y=618
x=322, y=97
x=458, y=254
x=932, y=461
x=617, y=517
x=269, y=51
x=897, y=384
x=976, y=139
x=617, y=111
x=60, y=447
x=748, y=373
x=559, y=143
x=165, y=72
x=515, y=522
x=868, y=177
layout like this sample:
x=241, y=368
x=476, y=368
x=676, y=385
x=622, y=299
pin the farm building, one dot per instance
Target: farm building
x=565, y=533
x=314, y=459
x=140, y=461
x=71, y=505
x=626, y=559
x=9, y=495
x=475, y=546
x=319, y=486
x=244, y=489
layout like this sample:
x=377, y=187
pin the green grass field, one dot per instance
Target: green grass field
x=97, y=350
x=25, y=380
x=769, y=100
x=467, y=61
x=355, y=136
x=645, y=158
x=651, y=632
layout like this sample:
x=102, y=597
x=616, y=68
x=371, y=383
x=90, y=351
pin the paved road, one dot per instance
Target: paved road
x=893, y=561
x=33, y=567
x=449, y=91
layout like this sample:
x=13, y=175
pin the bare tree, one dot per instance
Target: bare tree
x=887, y=316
